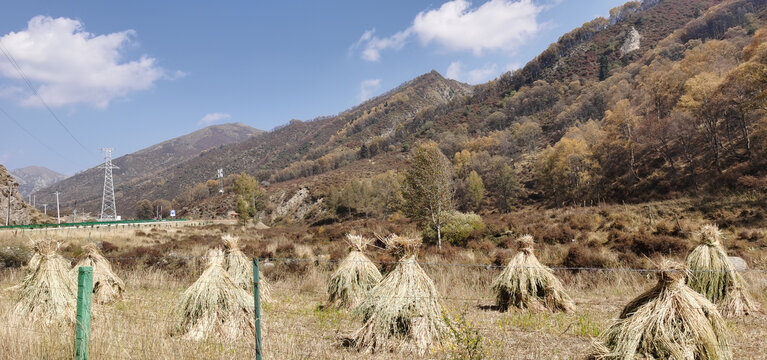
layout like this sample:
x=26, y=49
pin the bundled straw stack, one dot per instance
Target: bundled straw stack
x=47, y=294
x=355, y=276
x=107, y=286
x=403, y=312
x=670, y=321
x=525, y=283
x=240, y=268
x=712, y=274
x=214, y=307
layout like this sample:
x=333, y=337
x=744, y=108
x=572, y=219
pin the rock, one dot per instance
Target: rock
x=738, y=263
x=632, y=42
x=261, y=226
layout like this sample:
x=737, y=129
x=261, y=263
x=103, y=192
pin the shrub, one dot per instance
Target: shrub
x=108, y=247
x=457, y=228
x=646, y=244
x=579, y=255
x=14, y=256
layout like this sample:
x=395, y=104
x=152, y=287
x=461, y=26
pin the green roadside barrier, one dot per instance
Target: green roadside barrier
x=86, y=224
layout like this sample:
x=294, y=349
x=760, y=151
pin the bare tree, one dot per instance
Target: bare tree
x=428, y=187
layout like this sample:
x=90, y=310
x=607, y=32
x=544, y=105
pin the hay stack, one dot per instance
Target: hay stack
x=712, y=274
x=403, y=312
x=527, y=284
x=214, y=307
x=107, y=286
x=240, y=268
x=670, y=321
x=355, y=276
x=48, y=294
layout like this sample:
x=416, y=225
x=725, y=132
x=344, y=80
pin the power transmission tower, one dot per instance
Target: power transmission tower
x=108, y=206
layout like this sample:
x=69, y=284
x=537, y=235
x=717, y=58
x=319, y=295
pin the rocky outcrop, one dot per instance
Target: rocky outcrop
x=295, y=208
x=632, y=42
x=21, y=213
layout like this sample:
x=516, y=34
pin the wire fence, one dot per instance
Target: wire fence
x=296, y=326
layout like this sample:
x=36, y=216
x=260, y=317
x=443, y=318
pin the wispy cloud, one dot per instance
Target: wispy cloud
x=368, y=88
x=456, y=71
x=497, y=25
x=372, y=45
x=73, y=66
x=213, y=118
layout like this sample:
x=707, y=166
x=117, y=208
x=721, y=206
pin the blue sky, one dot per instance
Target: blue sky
x=129, y=74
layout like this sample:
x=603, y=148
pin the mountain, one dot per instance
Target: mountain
x=21, y=213
x=305, y=148
x=662, y=98
x=610, y=112
x=34, y=178
x=86, y=187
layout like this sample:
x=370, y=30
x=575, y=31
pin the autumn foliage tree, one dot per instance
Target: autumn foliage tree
x=568, y=170
x=476, y=190
x=250, y=197
x=144, y=209
x=428, y=186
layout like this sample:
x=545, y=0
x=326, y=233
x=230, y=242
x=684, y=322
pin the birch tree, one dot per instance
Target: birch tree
x=428, y=187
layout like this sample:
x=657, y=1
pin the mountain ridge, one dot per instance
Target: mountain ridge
x=34, y=178
x=85, y=187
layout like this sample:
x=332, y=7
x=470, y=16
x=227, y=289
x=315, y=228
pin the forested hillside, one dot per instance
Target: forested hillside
x=303, y=149
x=664, y=98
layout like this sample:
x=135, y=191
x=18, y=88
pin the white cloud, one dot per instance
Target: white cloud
x=368, y=88
x=513, y=66
x=213, y=118
x=454, y=70
x=70, y=66
x=178, y=74
x=373, y=44
x=497, y=25
x=474, y=76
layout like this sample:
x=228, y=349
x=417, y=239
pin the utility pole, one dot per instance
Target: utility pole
x=10, y=197
x=108, y=206
x=58, y=214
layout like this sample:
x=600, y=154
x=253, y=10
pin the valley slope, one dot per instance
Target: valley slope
x=86, y=187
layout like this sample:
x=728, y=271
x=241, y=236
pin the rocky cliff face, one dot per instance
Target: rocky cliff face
x=21, y=213
x=632, y=42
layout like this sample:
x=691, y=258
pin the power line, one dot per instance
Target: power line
x=18, y=68
x=32, y=135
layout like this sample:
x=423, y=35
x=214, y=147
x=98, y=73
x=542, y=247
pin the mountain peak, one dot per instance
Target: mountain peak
x=34, y=178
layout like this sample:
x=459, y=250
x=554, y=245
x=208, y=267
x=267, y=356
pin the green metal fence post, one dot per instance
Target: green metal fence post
x=83, y=326
x=257, y=306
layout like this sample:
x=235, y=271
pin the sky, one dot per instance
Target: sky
x=76, y=76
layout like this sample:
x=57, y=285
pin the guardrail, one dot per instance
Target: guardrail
x=86, y=224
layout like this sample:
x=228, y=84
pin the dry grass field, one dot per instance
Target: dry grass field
x=295, y=327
